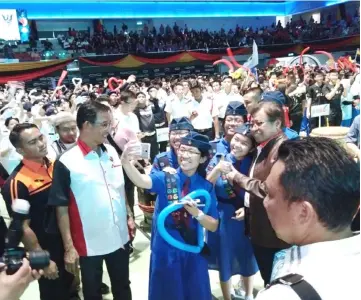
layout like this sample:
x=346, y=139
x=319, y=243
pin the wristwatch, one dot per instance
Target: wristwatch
x=200, y=215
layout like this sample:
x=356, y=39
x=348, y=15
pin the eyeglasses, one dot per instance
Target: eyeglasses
x=104, y=125
x=189, y=152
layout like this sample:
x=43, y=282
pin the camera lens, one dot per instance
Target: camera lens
x=39, y=259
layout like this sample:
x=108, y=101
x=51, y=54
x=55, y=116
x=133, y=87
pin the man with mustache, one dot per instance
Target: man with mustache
x=266, y=128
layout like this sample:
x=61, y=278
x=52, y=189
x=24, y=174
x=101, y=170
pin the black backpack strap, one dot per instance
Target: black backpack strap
x=300, y=286
x=115, y=145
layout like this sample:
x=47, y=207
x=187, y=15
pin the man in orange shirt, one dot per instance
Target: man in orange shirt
x=31, y=180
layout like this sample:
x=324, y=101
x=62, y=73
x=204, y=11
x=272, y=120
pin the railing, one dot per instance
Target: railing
x=62, y=54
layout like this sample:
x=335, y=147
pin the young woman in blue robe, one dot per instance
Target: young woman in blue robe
x=176, y=274
x=232, y=252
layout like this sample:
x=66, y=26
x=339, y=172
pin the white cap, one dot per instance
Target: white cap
x=21, y=206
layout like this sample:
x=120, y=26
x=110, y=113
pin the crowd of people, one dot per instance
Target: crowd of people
x=279, y=204
x=175, y=38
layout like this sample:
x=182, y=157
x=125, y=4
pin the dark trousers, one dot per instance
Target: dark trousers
x=163, y=146
x=314, y=122
x=62, y=287
x=265, y=257
x=154, y=150
x=335, y=118
x=58, y=289
x=118, y=268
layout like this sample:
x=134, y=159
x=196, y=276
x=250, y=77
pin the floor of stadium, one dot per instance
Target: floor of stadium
x=139, y=265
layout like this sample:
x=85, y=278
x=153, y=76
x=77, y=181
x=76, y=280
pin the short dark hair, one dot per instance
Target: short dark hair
x=7, y=121
x=104, y=98
x=126, y=96
x=273, y=110
x=320, y=171
x=257, y=91
x=227, y=77
x=196, y=86
x=14, y=137
x=175, y=84
x=87, y=112
x=319, y=73
x=152, y=87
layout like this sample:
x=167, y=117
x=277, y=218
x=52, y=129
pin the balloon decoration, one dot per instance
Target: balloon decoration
x=112, y=80
x=331, y=62
x=76, y=81
x=62, y=77
x=301, y=56
x=240, y=73
x=342, y=63
x=172, y=208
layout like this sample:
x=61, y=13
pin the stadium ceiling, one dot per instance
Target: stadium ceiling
x=115, y=9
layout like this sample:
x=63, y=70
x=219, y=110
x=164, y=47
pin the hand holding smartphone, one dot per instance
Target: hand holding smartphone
x=140, y=150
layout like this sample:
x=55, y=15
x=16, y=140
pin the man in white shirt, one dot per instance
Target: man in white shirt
x=313, y=194
x=205, y=112
x=91, y=208
x=186, y=90
x=65, y=126
x=177, y=106
x=226, y=96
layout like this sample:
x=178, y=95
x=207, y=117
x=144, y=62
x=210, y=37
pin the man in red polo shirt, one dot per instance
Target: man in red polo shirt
x=91, y=208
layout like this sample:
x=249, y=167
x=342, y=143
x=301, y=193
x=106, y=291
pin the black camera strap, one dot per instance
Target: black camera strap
x=300, y=286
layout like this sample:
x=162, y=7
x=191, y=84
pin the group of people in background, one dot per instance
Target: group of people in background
x=173, y=37
x=279, y=204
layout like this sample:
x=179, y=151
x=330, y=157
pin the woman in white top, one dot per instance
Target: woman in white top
x=8, y=155
x=123, y=114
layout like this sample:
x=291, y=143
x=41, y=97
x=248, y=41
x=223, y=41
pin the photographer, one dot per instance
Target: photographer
x=13, y=286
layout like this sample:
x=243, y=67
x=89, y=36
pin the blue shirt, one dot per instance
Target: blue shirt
x=170, y=156
x=224, y=191
x=158, y=244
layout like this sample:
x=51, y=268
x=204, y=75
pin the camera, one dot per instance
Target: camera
x=13, y=254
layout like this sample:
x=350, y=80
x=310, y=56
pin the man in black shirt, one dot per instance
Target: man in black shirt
x=315, y=97
x=147, y=124
x=158, y=113
x=31, y=180
x=333, y=92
